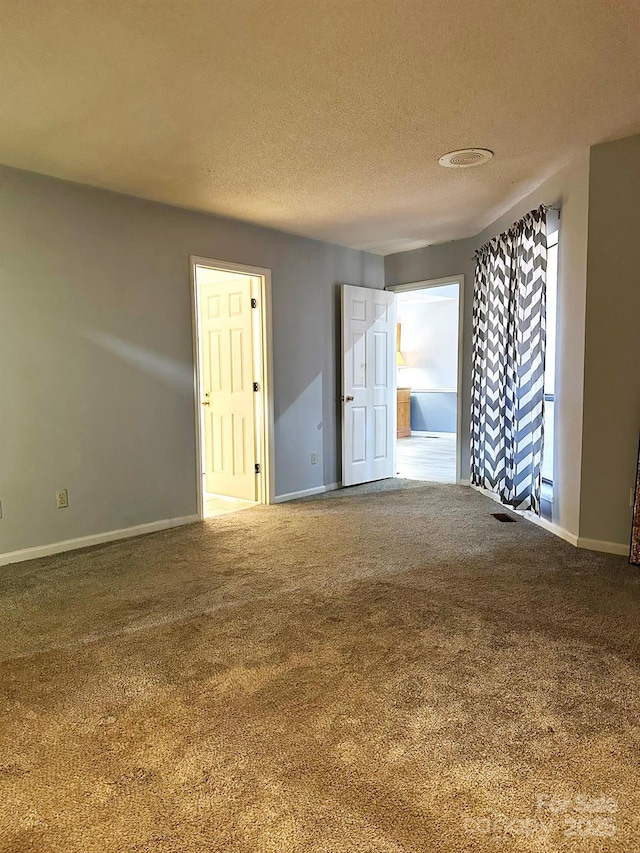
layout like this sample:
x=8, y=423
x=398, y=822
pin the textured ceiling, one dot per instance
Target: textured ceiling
x=319, y=117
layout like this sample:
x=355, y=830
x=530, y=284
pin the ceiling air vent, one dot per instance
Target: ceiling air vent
x=465, y=157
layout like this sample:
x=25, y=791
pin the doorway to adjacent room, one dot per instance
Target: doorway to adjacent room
x=428, y=364
x=233, y=398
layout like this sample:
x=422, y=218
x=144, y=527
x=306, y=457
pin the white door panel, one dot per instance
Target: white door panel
x=368, y=384
x=227, y=388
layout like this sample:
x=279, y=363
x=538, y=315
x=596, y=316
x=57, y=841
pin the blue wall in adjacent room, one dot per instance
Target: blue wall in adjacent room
x=433, y=411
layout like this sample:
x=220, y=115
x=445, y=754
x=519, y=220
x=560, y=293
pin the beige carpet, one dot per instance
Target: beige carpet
x=383, y=669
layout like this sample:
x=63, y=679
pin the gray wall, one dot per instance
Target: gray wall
x=612, y=359
x=434, y=411
x=569, y=188
x=96, y=355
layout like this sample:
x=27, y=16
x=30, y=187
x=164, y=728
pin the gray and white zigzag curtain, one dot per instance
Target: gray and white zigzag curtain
x=509, y=339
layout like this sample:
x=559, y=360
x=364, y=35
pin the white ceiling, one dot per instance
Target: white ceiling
x=321, y=118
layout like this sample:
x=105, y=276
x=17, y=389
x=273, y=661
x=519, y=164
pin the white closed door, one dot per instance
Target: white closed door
x=368, y=384
x=227, y=392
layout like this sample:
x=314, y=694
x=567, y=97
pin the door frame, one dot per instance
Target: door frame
x=438, y=282
x=266, y=450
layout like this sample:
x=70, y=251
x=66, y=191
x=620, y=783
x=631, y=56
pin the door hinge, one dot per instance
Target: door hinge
x=256, y=386
x=254, y=302
x=257, y=467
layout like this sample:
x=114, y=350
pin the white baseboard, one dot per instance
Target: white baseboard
x=571, y=538
x=577, y=541
x=305, y=493
x=605, y=547
x=95, y=539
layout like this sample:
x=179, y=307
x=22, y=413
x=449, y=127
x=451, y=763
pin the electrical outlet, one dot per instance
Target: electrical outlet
x=314, y=459
x=62, y=499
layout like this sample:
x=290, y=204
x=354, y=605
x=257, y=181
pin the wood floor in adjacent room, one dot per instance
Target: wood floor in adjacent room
x=384, y=669
x=427, y=456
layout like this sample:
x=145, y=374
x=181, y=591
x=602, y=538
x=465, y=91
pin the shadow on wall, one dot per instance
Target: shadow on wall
x=167, y=369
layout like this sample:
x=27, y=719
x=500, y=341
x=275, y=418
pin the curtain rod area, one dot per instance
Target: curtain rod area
x=545, y=207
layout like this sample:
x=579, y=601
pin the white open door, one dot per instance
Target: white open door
x=368, y=384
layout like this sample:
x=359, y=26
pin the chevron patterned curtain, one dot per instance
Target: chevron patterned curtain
x=508, y=363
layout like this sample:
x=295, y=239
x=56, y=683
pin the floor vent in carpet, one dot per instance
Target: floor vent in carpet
x=503, y=516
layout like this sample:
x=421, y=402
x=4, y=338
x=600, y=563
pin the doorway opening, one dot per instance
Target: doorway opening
x=233, y=381
x=429, y=377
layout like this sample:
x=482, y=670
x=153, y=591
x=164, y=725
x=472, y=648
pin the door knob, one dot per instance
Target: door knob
x=206, y=403
x=347, y=399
